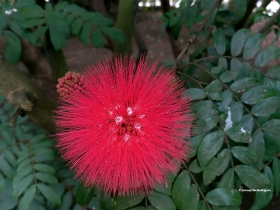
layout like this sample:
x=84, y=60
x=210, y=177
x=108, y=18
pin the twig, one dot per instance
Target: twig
x=192, y=39
x=269, y=23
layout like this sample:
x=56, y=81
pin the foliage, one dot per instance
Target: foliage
x=235, y=98
x=29, y=21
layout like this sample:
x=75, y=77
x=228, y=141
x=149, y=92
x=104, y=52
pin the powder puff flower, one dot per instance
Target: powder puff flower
x=121, y=126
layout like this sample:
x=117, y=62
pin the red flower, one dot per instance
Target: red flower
x=123, y=131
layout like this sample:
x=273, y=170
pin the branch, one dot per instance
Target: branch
x=269, y=23
x=192, y=39
x=19, y=91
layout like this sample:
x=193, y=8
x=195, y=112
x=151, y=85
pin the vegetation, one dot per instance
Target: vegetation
x=235, y=92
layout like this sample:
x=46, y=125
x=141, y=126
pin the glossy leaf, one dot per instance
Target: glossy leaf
x=266, y=107
x=180, y=186
x=266, y=55
x=161, y=201
x=274, y=72
x=251, y=178
x=214, y=86
x=196, y=93
x=258, y=145
x=194, y=142
x=244, y=154
x=209, y=147
x=194, y=167
x=223, y=197
x=219, y=41
x=252, y=45
x=239, y=134
x=191, y=199
x=238, y=41
x=49, y=194
x=272, y=127
x=227, y=180
x=254, y=95
x=243, y=84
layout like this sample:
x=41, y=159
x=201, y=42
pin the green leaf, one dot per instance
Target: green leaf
x=61, y=5
x=206, y=123
x=266, y=107
x=238, y=134
x=44, y=168
x=252, y=45
x=12, y=48
x=84, y=195
x=243, y=84
x=126, y=202
x=97, y=39
x=49, y=194
x=201, y=205
x=276, y=174
x=219, y=41
x=266, y=55
x=238, y=40
x=268, y=173
x=272, y=127
x=237, y=112
x=85, y=33
x=194, y=142
x=261, y=200
x=21, y=174
x=202, y=108
x=228, y=76
x=2, y=183
x=3, y=23
x=26, y=200
x=191, y=201
x=252, y=178
x=209, y=147
x=274, y=72
x=196, y=93
x=216, y=69
x=194, y=167
x=181, y=184
x=114, y=33
x=255, y=95
x=23, y=184
x=161, y=201
x=217, y=96
x=76, y=26
x=258, y=146
x=214, y=86
x=66, y=201
x=223, y=63
x=244, y=154
x=45, y=177
x=216, y=167
x=240, y=8
x=227, y=180
x=223, y=197
x=30, y=23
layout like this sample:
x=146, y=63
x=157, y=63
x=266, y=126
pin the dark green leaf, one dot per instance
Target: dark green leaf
x=266, y=107
x=161, y=201
x=243, y=84
x=216, y=167
x=191, y=201
x=195, y=141
x=223, y=63
x=44, y=168
x=258, y=146
x=252, y=45
x=114, y=33
x=196, y=93
x=23, y=184
x=214, y=86
x=240, y=8
x=244, y=154
x=252, y=178
x=228, y=76
x=21, y=174
x=30, y=23
x=274, y=72
x=227, y=180
x=61, y=5
x=66, y=201
x=254, y=95
x=209, y=147
x=98, y=19
x=202, y=108
x=166, y=187
x=219, y=41
x=194, y=167
x=97, y=39
x=13, y=47
x=227, y=96
x=3, y=23
x=2, y=183
x=276, y=175
x=126, y=202
x=49, y=194
x=217, y=96
x=266, y=55
x=84, y=195
x=268, y=173
x=261, y=199
x=26, y=200
x=272, y=127
x=76, y=26
x=216, y=69
x=238, y=134
x=237, y=112
x=206, y=123
x=181, y=184
x=238, y=40
x=45, y=177
x=223, y=197
x=85, y=33
x=201, y=205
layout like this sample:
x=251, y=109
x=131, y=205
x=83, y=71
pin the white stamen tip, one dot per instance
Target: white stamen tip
x=119, y=119
x=129, y=110
x=126, y=137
